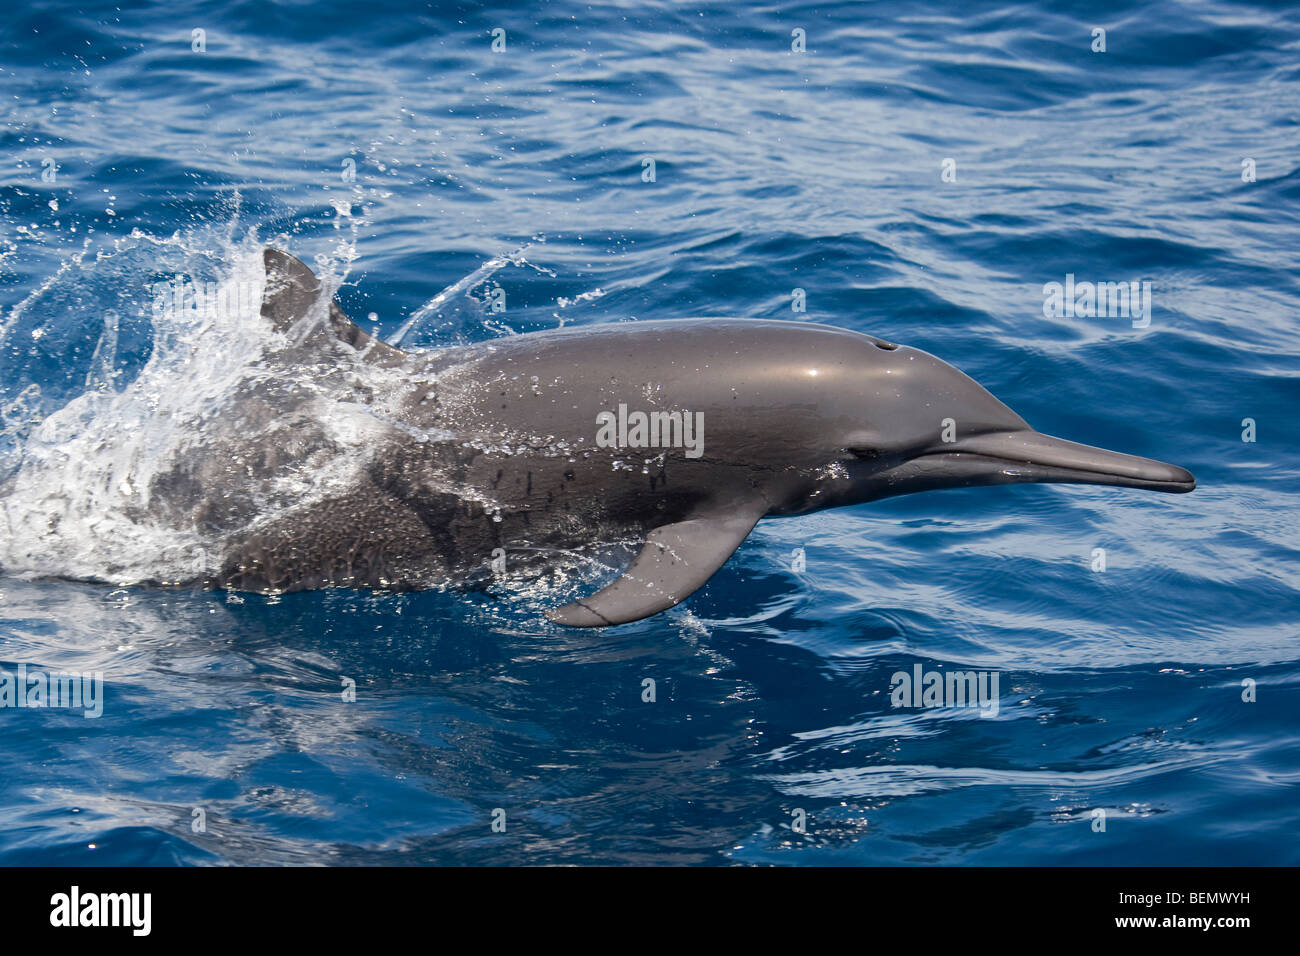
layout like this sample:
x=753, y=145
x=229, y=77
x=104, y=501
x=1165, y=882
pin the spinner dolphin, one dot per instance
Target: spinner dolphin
x=677, y=435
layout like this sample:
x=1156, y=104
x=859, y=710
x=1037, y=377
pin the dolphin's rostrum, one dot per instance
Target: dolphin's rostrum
x=493, y=449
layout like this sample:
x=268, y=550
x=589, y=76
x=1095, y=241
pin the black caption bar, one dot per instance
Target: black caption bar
x=299, y=907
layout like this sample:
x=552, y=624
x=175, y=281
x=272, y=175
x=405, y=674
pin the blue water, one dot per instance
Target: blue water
x=1121, y=690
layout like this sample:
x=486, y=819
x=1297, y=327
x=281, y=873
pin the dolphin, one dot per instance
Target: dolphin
x=677, y=436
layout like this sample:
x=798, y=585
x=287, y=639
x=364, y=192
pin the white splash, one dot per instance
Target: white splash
x=76, y=471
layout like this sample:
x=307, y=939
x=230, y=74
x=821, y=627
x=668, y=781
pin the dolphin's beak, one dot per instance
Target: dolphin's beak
x=1026, y=455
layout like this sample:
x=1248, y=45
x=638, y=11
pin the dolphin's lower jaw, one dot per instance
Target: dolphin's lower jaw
x=1015, y=457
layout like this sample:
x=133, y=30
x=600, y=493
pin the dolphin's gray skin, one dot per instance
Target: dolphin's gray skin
x=494, y=446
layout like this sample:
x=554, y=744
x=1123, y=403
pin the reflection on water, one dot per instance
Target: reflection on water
x=235, y=707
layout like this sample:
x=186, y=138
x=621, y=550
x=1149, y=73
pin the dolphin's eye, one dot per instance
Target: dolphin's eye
x=865, y=454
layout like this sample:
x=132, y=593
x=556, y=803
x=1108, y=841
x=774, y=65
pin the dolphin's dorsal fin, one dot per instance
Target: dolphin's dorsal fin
x=674, y=563
x=292, y=290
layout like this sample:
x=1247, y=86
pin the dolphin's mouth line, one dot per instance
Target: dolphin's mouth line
x=1020, y=469
x=1028, y=456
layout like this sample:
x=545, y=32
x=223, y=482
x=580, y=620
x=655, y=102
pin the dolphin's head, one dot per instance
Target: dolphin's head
x=896, y=420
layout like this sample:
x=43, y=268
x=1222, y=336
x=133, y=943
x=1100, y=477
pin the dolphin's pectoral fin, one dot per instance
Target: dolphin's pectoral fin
x=291, y=291
x=674, y=563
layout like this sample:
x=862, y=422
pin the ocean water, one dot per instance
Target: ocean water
x=921, y=173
